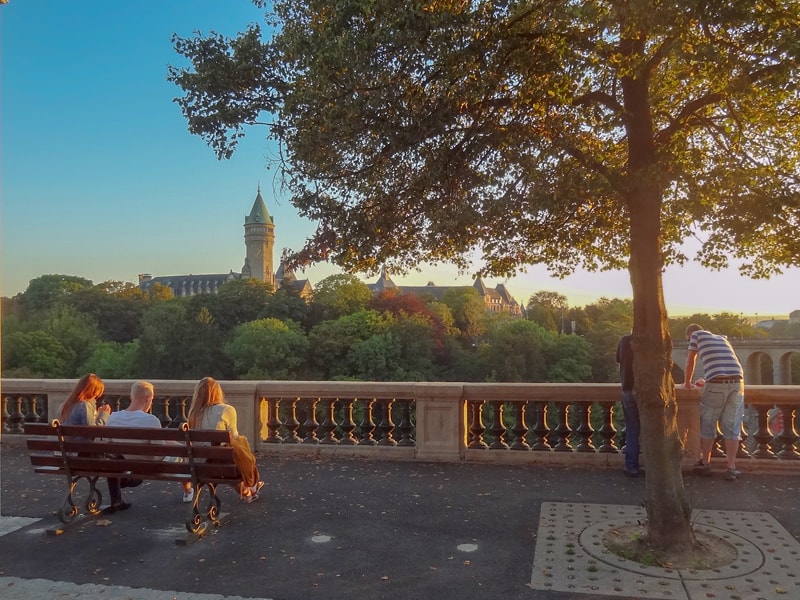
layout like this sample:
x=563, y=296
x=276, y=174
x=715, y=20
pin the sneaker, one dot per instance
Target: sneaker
x=252, y=493
x=631, y=473
x=702, y=468
x=188, y=496
x=732, y=474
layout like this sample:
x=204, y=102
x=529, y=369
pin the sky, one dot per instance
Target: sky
x=101, y=179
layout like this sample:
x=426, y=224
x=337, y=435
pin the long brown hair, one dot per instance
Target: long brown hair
x=207, y=392
x=89, y=387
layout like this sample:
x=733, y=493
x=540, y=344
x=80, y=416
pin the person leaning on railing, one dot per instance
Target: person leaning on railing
x=722, y=400
x=209, y=411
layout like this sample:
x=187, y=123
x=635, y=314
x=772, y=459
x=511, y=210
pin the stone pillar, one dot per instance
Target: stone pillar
x=778, y=373
x=242, y=396
x=689, y=423
x=441, y=422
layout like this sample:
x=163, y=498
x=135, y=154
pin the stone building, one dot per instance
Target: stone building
x=497, y=299
x=259, y=241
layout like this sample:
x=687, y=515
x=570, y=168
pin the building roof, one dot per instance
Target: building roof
x=259, y=213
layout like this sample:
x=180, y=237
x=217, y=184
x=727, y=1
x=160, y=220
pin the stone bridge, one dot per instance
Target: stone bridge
x=751, y=354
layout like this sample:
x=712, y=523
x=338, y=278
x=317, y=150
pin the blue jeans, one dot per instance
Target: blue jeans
x=631, y=413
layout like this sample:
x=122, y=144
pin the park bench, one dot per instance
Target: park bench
x=82, y=453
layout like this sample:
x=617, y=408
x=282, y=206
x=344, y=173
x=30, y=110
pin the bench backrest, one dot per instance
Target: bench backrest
x=181, y=454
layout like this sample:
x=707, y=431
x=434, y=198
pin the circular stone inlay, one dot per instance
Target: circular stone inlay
x=749, y=557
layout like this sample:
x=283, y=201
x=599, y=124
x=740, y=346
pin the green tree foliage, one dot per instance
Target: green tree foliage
x=521, y=350
x=238, y=301
x=608, y=321
x=469, y=313
x=34, y=354
x=115, y=306
x=548, y=309
x=268, y=349
x=596, y=134
x=48, y=290
x=112, y=360
x=339, y=295
x=286, y=305
x=332, y=343
x=735, y=327
x=162, y=344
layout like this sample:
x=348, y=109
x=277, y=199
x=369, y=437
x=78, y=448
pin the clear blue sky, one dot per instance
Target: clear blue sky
x=101, y=179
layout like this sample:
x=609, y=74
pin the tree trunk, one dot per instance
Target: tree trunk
x=668, y=511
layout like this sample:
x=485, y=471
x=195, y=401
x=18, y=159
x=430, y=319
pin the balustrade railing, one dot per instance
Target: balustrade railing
x=562, y=423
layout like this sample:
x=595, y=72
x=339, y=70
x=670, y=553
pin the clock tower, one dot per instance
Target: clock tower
x=259, y=240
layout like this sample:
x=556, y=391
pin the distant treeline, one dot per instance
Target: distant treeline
x=63, y=326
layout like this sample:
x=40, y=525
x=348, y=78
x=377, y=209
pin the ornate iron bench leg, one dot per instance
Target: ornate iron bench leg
x=199, y=520
x=69, y=509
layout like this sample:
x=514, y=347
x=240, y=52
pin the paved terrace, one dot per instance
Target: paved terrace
x=335, y=527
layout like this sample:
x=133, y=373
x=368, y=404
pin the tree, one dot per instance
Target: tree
x=46, y=290
x=340, y=295
x=268, y=349
x=117, y=308
x=469, y=313
x=548, y=309
x=590, y=134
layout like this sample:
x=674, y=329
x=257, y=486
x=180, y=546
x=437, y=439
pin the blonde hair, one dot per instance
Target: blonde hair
x=207, y=392
x=89, y=387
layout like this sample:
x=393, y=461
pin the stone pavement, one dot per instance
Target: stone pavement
x=348, y=528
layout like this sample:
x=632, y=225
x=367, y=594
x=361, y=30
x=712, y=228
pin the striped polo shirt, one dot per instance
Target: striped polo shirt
x=717, y=355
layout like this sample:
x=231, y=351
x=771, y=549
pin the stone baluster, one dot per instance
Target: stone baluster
x=476, y=428
x=328, y=426
x=311, y=425
x=291, y=423
x=348, y=425
x=182, y=405
x=607, y=431
x=560, y=435
x=273, y=421
x=763, y=435
x=496, y=428
x=33, y=413
x=162, y=412
x=718, y=449
x=584, y=429
x=788, y=436
x=367, y=423
x=405, y=426
x=16, y=418
x=386, y=426
x=519, y=428
x=540, y=429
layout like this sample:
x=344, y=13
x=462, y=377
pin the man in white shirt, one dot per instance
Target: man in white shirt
x=136, y=415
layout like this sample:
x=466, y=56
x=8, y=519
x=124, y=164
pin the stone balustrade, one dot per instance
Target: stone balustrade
x=571, y=424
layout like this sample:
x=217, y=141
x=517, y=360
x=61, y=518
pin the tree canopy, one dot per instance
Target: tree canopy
x=423, y=130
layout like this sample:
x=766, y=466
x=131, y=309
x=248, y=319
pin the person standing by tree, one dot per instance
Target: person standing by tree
x=722, y=400
x=629, y=408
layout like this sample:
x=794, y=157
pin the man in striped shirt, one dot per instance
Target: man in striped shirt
x=722, y=400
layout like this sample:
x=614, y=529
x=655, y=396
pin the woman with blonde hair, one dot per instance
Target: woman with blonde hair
x=210, y=411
